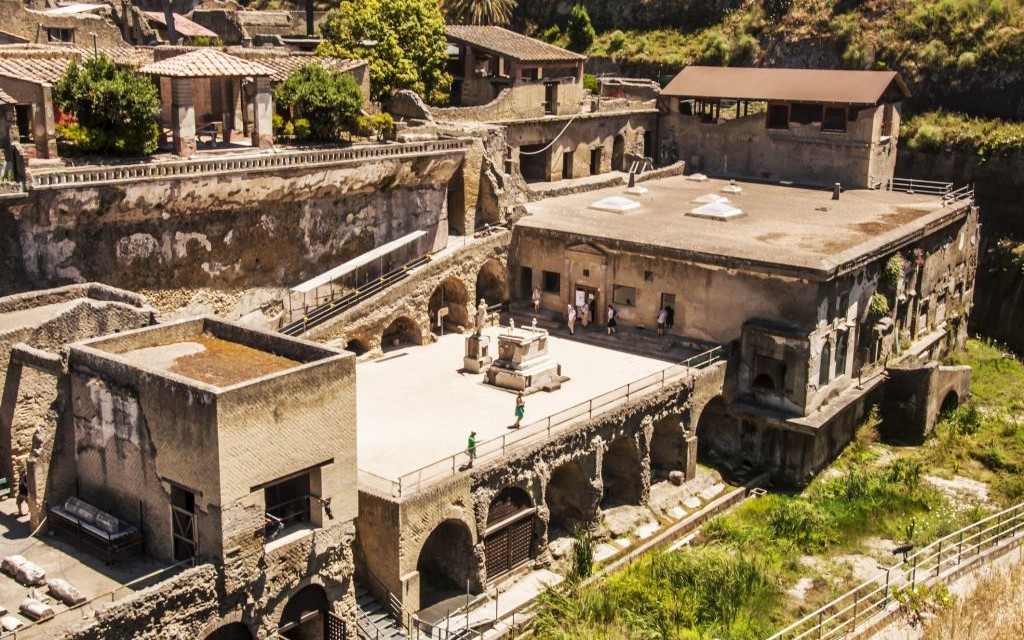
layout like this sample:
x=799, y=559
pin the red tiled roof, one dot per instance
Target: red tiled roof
x=284, y=63
x=206, y=63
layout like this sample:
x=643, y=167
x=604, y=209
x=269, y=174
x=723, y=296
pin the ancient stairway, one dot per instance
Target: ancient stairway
x=372, y=619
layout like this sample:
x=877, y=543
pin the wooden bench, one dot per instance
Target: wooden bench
x=92, y=527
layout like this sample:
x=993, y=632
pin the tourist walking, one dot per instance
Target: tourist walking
x=613, y=316
x=536, y=299
x=520, y=410
x=662, y=321
x=571, y=315
x=471, y=448
x=22, y=490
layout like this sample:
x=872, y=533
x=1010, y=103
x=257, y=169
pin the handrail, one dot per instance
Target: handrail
x=842, y=615
x=240, y=163
x=541, y=431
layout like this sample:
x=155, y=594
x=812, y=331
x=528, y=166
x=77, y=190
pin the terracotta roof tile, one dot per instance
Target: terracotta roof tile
x=797, y=85
x=47, y=63
x=510, y=44
x=284, y=63
x=6, y=99
x=206, y=63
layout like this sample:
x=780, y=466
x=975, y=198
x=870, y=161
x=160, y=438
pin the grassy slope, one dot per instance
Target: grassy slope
x=733, y=583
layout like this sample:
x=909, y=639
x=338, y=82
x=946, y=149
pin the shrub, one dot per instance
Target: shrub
x=893, y=272
x=967, y=61
x=117, y=107
x=716, y=49
x=382, y=125
x=277, y=122
x=303, y=128
x=327, y=100
x=582, y=554
x=590, y=82
x=616, y=42
x=551, y=34
x=803, y=523
x=580, y=30
x=878, y=305
x=927, y=137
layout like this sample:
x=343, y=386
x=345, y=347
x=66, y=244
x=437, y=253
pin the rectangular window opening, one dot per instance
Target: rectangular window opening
x=778, y=116
x=183, y=523
x=552, y=282
x=648, y=276
x=834, y=120
x=624, y=295
x=287, y=504
x=58, y=34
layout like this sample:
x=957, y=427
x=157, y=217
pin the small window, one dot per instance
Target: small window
x=686, y=107
x=552, y=282
x=624, y=295
x=23, y=116
x=834, y=120
x=57, y=34
x=825, y=368
x=842, y=346
x=183, y=523
x=586, y=273
x=530, y=73
x=287, y=504
x=648, y=276
x=778, y=116
x=769, y=374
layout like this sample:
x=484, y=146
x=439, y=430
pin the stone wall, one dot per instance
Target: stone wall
x=525, y=100
x=32, y=25
x=273, y=226
x=393, y=532
x=916, y=395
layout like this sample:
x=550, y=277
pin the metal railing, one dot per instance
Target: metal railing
x=535, y=432
x=855, y=607
x=240, y=163
x=86, y=609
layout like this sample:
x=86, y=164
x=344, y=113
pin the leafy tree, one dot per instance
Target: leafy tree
x=404, y=42
x=496, y=12
x=116, y=108
x=581, y=31
x=329, y=99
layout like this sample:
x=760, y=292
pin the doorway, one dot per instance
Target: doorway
x=586, y=303
x=567, y=164
x=595, y=161
x=668, y=302
x=526, y=283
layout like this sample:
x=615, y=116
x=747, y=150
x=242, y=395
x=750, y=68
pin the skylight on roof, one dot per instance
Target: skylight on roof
x=716, y=211
x=710, y=198
x=697, y=177
x=615, y=204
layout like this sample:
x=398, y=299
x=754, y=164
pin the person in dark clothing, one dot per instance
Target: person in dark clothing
x=22, y=490
x=671, y=320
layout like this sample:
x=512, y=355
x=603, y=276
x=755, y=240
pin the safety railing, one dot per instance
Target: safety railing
x=88, y=608
x=536, y=432
x=855, y=607
x=240, y=163
x=913, y=185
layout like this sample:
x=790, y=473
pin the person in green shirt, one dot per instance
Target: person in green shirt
x=471, y=448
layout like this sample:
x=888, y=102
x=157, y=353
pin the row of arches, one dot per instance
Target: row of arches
x=515, y=530
x=451, y=294
x=305, y=617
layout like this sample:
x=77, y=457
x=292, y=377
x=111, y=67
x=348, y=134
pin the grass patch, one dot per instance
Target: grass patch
x=940, y=130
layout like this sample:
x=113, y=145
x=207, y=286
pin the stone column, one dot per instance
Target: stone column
x=43, y=126
x=183, y=117
x=263, y=110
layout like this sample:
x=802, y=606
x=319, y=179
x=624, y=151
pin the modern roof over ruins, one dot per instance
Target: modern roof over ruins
x=206, y=63
x=45, y=63
x=510, y=44
x=786, y=229
x=182, y=25
x=791, y=85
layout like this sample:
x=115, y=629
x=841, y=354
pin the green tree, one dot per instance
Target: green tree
x=404, y=42
x=116, y=107
x=496, y=12
x=581, y=31
x=329, y=99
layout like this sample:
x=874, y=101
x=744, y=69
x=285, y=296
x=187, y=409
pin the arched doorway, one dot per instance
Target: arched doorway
x=492, y=283
x=356, y=346
x=668, y=444
x=509, y=537
x=231, y=631
x=446, y=563
x=568, y=498
x=451, y=294
x=619, y=153
x=401, y=332
x=456, y=200
x=717, y=432
x=949, y=403
x=305, y=614
x=622, y=474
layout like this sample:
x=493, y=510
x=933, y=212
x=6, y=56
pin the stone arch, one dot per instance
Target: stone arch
x=568, y=498
x=622, y=473
x=358, y=346
x=510, y=538
x=231, y=631
x=451, y=293
x=764, y=382
x=619, y=153
x=446, y=563
x=717, y=432
x=402, y=331
x=492, y=282
x=668, y=446
x=949, y=403
x=304, y=614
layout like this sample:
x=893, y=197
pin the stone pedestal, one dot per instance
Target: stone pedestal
x=183, y=117
x=523, y=362
x=478, y=353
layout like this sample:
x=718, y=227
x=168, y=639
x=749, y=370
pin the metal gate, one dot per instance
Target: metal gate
x=510, y=545
x=334, y=627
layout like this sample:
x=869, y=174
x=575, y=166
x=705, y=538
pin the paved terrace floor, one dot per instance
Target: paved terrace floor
x=415, y=407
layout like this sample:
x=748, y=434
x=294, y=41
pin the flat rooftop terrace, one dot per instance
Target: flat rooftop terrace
x=786, y=228
x=415, y=407
x=207, y=358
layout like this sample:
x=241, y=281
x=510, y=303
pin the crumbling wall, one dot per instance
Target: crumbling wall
x=273, y=228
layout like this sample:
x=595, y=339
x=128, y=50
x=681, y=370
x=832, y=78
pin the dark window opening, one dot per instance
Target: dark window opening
x=23, y=116
x=805, y=113
x=842, y=346
x=586, y=273
x=623, y=295
x=530, y=73
x=778, y=116
x=287, y=504
x=769, y=374
x=648, y=276
x=825, y=367
x=834, y=120
x=595, y=161
x=686, y=107
x=567, y=164
x=58, y=34
x=550, y=98
x=765, y=382
x=183, y=523
x=552, y=282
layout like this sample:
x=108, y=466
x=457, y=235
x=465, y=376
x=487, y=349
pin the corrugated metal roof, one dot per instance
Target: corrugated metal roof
x=206, y=63
x=510, y=44
x=182, y=25
x=72, y=9
x=795, y=85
